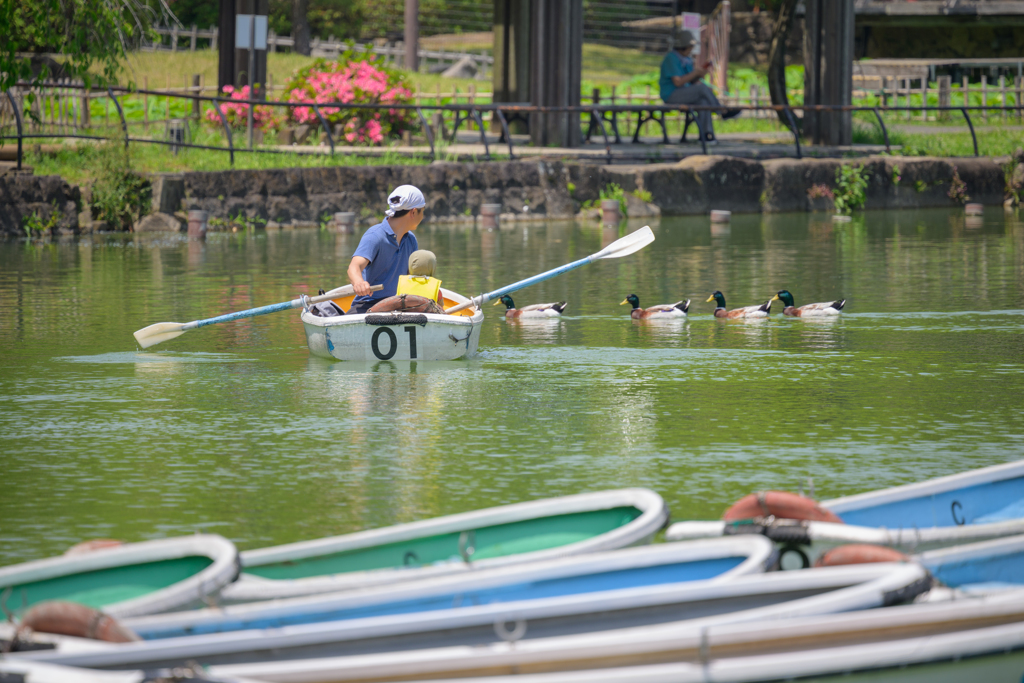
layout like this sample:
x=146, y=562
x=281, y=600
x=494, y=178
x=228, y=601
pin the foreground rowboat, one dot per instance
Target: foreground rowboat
x=961, y=508
x=129, y=580
x=614, y=638
x=15, y=671
x=992, y=655
x=396, y=336
x=611, y=594
x=509, y=534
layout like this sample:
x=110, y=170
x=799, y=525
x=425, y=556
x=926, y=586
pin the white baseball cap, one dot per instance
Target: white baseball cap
x=403, y=198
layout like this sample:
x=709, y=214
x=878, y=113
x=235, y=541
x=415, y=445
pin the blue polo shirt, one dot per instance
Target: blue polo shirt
x=674, y=64
x=388, y=260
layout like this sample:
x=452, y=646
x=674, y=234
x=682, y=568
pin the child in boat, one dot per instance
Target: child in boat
x=420, y=280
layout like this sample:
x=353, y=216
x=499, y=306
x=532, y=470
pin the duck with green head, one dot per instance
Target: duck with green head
x=661, y=311
x=721, y=311
x=807, y=310
x=534, y=311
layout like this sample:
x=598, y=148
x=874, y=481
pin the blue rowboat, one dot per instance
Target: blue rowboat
x=961, y=508
x=979, y=568
x=645, y=616
x=590, y=575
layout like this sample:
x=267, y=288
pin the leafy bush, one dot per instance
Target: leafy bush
x=120, y=196
x=643, y=195
x=263, y=117
x=851, y=182
x=820, y=191
x=957, y=189
x=35, y=226
x=614, y=191
x=354, y=78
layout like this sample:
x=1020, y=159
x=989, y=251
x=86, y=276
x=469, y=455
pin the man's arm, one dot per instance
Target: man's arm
x=695, y=75
x=355, y=275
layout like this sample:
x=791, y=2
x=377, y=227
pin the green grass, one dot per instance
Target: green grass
x=172, y=69
x=79, y=164
x=999, y=142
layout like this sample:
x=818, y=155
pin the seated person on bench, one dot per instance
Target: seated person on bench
x=420, y=280
x=680, y=83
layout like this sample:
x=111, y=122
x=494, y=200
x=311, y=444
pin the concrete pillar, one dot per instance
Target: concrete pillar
x=538, y=59
x=511, y=74
x=556, y=62
x=241, y=75
x=226, y=45
x=412, y=35
x=828, y=69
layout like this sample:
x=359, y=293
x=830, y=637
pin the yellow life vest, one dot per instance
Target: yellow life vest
x=420, y=286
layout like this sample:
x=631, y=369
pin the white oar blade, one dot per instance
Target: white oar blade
x=624, y=246
x=158, y=333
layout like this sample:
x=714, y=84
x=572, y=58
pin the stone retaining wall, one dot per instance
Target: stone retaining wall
x=453, y=190
x=697, y=185
x=525, y=189
x=22, y=196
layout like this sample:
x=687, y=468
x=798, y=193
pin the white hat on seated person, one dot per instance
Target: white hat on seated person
x=403, y=198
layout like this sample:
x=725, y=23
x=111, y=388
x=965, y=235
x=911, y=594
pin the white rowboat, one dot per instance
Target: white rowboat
x=396, y=336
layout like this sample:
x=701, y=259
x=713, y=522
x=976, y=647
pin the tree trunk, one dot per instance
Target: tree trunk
x=300, y=26
x=777, y=57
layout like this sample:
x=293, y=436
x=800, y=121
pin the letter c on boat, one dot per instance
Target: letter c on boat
x=953, y=508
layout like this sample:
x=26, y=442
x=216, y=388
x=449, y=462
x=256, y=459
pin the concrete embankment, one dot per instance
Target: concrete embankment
x=531, y=190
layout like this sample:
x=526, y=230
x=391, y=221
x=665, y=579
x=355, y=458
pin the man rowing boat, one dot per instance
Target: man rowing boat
x=383, y=252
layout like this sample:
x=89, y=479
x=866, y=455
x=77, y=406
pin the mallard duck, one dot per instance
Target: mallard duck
x=676, y=310
x=761, y=311
x=807, y=310
x=534, y=311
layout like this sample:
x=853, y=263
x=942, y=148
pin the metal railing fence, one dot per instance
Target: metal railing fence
x=602, y=117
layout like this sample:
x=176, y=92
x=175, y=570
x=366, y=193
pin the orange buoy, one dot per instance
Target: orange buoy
x=859, y=553
x=94, y=544
x=779, y=504
x=73, y=619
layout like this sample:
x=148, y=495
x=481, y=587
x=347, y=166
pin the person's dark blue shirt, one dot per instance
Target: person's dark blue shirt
x=674, y=64
x=388, y=260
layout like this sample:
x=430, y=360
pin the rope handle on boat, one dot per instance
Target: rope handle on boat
x=510, y=636
x=467, y=545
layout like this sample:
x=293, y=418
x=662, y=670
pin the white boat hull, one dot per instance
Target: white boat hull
x=395, y=336
x=881, y=644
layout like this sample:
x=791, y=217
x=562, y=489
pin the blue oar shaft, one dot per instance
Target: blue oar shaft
x=534, y=280
x=251, y=313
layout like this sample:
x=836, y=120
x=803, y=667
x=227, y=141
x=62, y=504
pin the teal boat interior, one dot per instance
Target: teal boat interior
x=542, y=533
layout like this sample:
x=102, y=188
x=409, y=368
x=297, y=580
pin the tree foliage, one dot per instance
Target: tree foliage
x=88, y=35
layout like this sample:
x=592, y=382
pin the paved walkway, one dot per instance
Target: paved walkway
x=767, y=145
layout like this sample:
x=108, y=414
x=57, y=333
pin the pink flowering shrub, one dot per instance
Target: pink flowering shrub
x=263, y=118
x=353, y=79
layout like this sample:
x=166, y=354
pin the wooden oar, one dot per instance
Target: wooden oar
x=161, y=332
x=624, y=246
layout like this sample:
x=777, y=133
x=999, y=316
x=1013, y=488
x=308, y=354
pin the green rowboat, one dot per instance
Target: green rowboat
x=498, y=536
x=129, y=580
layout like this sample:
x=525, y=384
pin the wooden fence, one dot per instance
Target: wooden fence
x=430, y=60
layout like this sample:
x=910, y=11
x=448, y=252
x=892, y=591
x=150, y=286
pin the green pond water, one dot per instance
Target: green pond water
x=235, y=429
